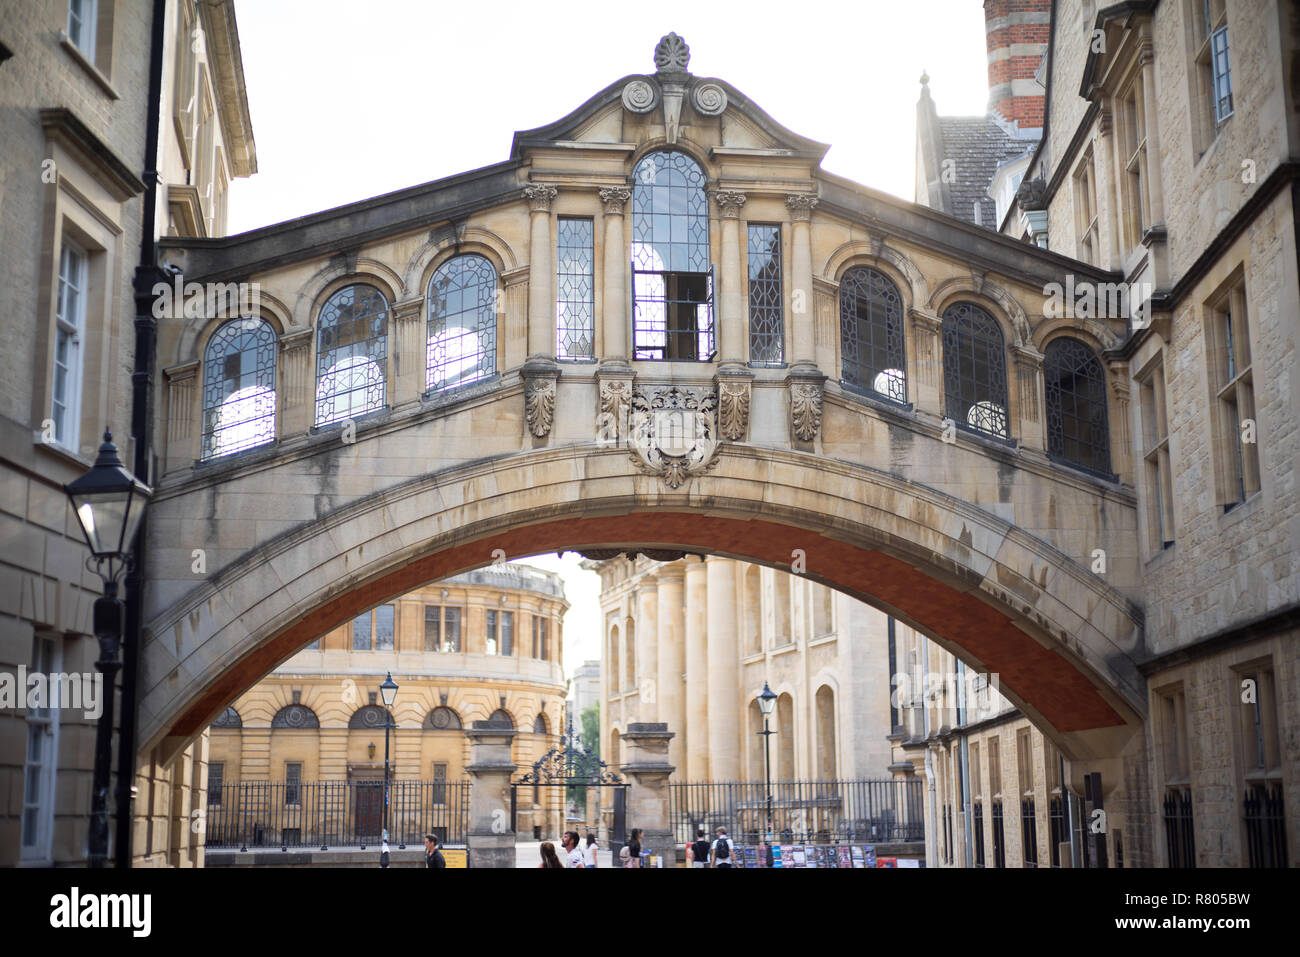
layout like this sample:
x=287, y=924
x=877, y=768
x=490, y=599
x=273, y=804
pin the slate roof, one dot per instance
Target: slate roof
x=978, y=145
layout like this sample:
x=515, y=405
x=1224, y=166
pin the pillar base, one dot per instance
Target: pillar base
x=492, y=850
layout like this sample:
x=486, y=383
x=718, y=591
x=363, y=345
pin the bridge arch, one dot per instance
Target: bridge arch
x=1061, y=639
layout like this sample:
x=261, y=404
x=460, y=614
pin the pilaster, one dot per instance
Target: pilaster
x=491, y=832
x=648, y=770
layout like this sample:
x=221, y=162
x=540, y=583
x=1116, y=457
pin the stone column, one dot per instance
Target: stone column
x=1028, y=382
x=615, y=320
x=804, y=382
x=724, y=759
x=1110, y=256
x=540, y=371
x=802, y=339
x=182, y=415
x=298, y=381
x=648, y=771
x=491, y=833
x=1155, y=190
x=672, y=657
x=697, y=670
x=408, y=325
x=541, y=284
x=927, y=367
x=647, y=648
x=733, y=337
x=1121, y=451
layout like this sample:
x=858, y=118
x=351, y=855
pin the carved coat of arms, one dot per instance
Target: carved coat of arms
x=673, y=432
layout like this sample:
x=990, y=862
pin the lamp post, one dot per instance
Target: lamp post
x=108, y=502
x=388, y=692
x=766, y=702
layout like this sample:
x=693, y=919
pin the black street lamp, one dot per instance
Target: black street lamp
x=388, y=692
x=766, y=702
x=109, y=502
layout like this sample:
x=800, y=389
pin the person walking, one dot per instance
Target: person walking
x=723, y=851
x=630, y=855
x=575, y=856
x=699, y=850
x=589, y=852
x=549, y=858
x=432, y=856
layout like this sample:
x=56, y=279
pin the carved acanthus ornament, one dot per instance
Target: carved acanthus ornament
x=540, y=196
x=800, y=206
x=615, y=199
x=729, y=202
x=539, y=404
x=615, y=400
x=805, y=409
x=733, y=410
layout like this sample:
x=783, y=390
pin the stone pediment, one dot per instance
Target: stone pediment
x=672, y=97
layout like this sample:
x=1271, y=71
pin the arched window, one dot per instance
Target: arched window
x=501, y=717
x=753, y=612
x=785, y=728
x=1078, y=429
x=974, y=370
x=825, y=733
x=295, y=717
x=239, y=387
x=351, y=354
x=539, y=724
x=871, y=334
x=228, y=719
x=672, y=276
x=442, y=718
x=462, y=343
x=368, y=716
x=615, y=671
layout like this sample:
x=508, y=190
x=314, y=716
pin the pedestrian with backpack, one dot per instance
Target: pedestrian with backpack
x=699, y=850
x=723, y=852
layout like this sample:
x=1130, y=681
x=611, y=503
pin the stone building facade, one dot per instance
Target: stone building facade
x=485, y=645
x=74, y=110
x=692, y=642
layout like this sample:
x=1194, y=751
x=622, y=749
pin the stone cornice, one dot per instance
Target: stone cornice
x=62, y=126
x=221, y=35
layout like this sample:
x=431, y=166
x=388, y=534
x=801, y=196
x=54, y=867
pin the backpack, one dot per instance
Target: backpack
x=700, y=849
x=722, y=847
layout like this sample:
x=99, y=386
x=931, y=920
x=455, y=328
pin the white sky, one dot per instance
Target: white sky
x=351, y=100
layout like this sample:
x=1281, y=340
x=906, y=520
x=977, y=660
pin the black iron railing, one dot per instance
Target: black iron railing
x=1058, y=828
x=1180, y=844
x=1265, y=825
x=978, y=825
x=802, y=811
x=999, y=838
x=326, y=814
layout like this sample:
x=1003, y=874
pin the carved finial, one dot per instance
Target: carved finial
x=672, y=54
x=925, y=77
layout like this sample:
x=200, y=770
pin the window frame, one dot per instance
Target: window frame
x=375, y=351
x=764, y=308
x=1087, y=229
x=441, y=622
x=1054, y=395
x=1231, y=371
x=953, y=335
x=263, y=370
x=586, y=280
x=89, y=20
x=1157, y=474
x=867, y=284
x=47, y=657
x=75, y=330
x=484, y=332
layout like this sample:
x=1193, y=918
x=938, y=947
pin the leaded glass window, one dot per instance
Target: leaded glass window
x=351, y=354
x=295, y=717
x=974, y=370
x=672, y=277
x=462, y=345
x=369, y=716
x=361, y=632
x=442, y=718
x=1078, y=431
x=239, y=387
x=871, y=334
x=384, y=628
x=766, y=334
x=575, y=289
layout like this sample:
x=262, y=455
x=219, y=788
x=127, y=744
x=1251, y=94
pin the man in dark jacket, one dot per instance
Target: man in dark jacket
x=432, y=856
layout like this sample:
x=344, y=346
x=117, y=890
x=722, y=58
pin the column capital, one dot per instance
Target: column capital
x=800, y=206
x=540, y=196
x=614, y=198
x=296, y=339
x=729, y=202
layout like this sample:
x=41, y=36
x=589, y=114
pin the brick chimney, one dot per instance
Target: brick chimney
x=1016, y=32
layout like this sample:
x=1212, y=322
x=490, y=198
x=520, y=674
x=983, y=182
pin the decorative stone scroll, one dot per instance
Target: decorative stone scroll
x=733, y=409
x=708, y=98
x=640, y=96
x=729, y=202
x=611, y=416
x=673, y=432
x=539, y=404
x=805, y=406
x=540, y=196
x=615, y=199
x=800, y=206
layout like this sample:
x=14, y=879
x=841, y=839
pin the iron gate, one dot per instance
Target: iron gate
x=571, y=768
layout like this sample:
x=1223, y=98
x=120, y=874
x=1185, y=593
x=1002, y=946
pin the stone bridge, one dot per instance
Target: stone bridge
x=767, y=362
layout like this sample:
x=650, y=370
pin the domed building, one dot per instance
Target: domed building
x=299, y=757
